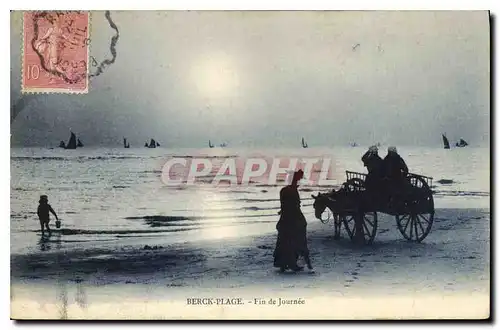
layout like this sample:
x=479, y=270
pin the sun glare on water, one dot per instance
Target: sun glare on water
x=218, y=218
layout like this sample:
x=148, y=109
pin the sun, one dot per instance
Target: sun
x=215, y=76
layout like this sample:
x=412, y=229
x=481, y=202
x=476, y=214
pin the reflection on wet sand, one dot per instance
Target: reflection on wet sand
x=65, y=288
x=52, y=240
x=81, y=295
x=64, y=283
x=62, y=298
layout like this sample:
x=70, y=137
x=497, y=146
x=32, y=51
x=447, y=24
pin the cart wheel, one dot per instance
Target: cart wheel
x=417, y=223
x=369, y=225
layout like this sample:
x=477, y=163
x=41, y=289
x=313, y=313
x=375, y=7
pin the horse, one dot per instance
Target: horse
x=321, y=202
x=346, y=207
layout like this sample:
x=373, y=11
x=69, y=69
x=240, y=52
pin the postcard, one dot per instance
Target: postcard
x=250, y=165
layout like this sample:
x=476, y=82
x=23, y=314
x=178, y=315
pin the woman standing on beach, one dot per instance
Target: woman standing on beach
x=292, y=239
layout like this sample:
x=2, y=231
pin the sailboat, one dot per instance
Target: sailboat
x=354, y=144
x=461, y=143
x=125, y=144
x=152, y=144
x=446, y=142
x=223, y=145
x=210, y=145
x=72, y=142
x=304, y=144
x=62, y=144
x=79, y=144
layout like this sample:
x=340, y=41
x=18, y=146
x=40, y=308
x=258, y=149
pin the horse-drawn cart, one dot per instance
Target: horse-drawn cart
x=355, y=207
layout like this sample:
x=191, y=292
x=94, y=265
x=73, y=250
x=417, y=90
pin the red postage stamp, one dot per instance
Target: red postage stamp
x=55, y=51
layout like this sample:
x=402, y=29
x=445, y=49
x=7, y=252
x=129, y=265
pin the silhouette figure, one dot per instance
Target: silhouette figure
x=395, y=172
x=43, y=213
x=292, y=227
x=394, y=166
x=373, y=163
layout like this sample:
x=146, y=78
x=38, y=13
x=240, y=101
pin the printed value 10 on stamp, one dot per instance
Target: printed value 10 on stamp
x=55, y=52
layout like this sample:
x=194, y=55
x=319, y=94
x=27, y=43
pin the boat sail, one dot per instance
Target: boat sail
x=446, y=142
x=79, y=144
x=152, y=144
x=72, y=142
x=210, y=145
x=62, y=144
x=125, y=144
x=461, y=143
x=304, y=144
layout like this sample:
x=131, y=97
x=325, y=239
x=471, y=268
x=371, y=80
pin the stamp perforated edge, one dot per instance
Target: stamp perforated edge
x=59, y=90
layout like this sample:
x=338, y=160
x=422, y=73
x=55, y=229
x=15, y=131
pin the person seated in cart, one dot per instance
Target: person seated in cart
x=395, y=172
x=374, y=164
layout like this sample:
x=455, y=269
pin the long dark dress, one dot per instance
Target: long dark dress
x=292, y=240
x=374, y=165
x=396, y=171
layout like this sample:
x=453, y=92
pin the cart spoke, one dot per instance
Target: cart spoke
x=415, y=224
x=354, y=231
x=408, y=221
x=421, y=227
x=411, y=227
x=421, y=216
x=347, y=228
x=368, y=220
x=406, y=226
x=403, y=217
x=367, y=231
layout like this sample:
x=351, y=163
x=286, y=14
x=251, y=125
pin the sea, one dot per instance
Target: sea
x=116, y=196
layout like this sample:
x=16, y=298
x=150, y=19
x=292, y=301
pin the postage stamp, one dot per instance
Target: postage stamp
x=55, y=51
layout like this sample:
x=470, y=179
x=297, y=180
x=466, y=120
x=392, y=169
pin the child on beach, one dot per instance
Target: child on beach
x=43, y=213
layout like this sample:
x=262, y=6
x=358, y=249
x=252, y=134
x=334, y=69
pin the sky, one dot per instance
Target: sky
x=256, y=79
